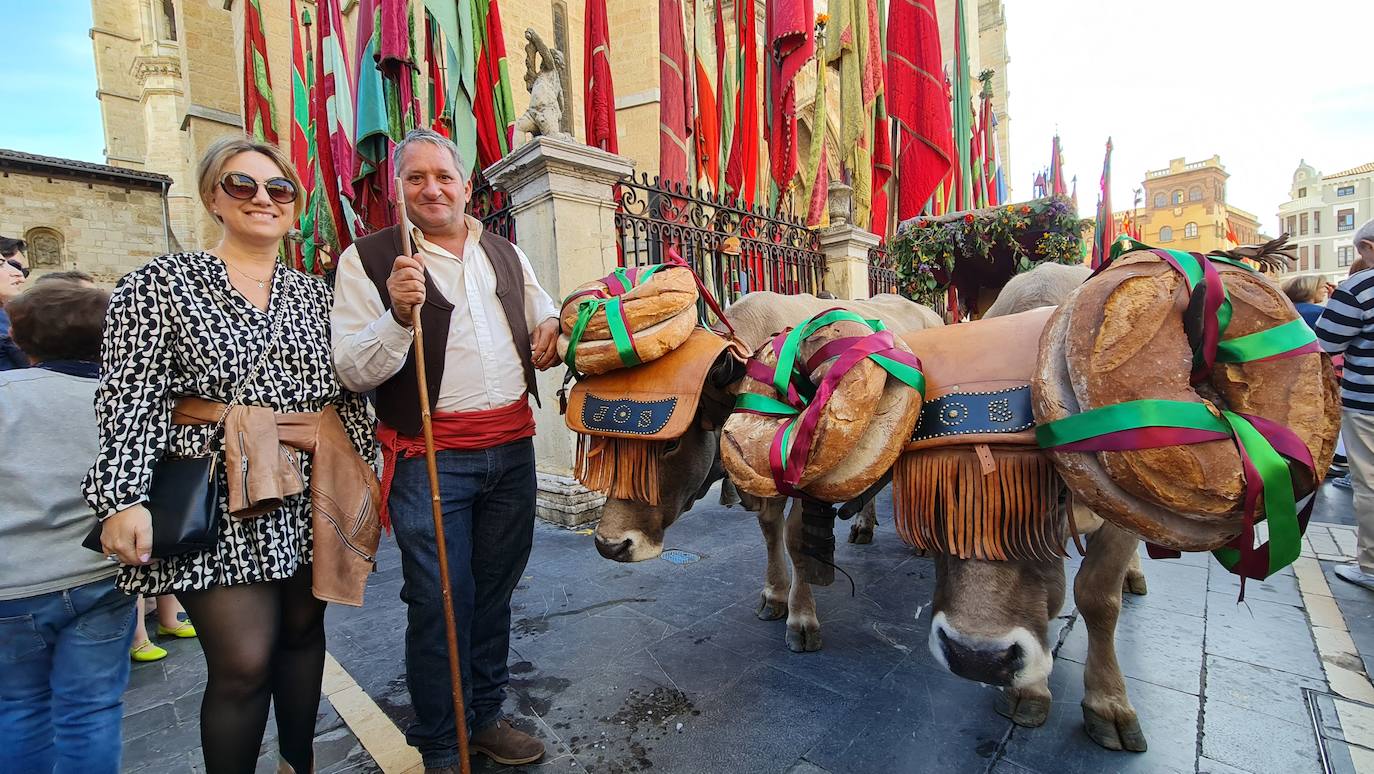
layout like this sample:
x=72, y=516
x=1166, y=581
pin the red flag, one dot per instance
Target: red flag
x=741, y=174
x=882, y=170
x=438, y=84
x=259, y=112
x=598, y=94
x=707, y=119
x=790, y=43
x=494, y=107
x=916, y=96
x=675, y=97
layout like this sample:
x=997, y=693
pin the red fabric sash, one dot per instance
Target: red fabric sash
x=457, y=431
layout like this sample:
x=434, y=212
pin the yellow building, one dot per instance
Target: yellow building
x=1184, y=208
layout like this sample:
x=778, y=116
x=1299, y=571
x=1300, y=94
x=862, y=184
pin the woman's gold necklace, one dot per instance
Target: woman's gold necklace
x=262, y=283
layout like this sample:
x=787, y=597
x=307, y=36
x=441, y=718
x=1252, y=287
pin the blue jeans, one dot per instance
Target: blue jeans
x=488, y=507
x=64, y=663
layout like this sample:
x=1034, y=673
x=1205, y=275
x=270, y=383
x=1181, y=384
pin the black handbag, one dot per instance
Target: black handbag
x=183, y=496
x=183, y=499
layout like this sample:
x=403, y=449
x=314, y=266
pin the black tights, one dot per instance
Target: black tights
x=263, y=642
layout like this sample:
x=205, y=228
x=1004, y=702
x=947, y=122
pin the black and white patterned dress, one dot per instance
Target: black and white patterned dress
x=177, y=327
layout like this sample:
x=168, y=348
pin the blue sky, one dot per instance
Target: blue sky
x=1263, y=83
x=47, y=81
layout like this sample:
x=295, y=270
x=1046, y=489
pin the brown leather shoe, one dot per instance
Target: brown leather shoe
x=506, y=745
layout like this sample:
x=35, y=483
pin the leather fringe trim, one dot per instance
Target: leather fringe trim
x=623, y=468
x=945, y=503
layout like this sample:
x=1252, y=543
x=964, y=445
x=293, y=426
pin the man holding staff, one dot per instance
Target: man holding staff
x=486, y=326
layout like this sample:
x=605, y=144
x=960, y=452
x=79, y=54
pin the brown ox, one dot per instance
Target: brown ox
x=990, y=620
x=631, y=531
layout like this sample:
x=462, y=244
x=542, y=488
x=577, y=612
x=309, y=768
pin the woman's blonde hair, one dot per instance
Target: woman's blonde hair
x=1305, y=289
x=211, y=167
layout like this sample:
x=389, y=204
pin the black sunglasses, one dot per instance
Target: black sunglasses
x=241, y=186
x=16, y=264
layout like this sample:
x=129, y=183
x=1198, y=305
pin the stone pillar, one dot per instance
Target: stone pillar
x=564, y=209
x=846, y=260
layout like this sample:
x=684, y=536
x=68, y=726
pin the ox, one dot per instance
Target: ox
x=990, y=620
x=632, y=531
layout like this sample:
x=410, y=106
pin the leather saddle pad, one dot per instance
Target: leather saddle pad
x=978, y=378
x=656, y=401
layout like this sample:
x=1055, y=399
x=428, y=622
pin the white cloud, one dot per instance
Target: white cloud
x=1261, y=83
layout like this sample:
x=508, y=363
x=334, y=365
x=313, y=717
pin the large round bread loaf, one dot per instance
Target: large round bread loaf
x=662, y=296
x=1121, y=337
x=859, y=431
x=597, y=356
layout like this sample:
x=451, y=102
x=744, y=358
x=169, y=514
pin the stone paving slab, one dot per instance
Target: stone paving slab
x=608, y=659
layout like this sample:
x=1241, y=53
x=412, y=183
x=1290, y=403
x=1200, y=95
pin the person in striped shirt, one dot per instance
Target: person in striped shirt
x=1347, y=327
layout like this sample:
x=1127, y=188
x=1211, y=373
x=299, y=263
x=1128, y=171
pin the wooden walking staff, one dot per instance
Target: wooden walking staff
x=450, y=624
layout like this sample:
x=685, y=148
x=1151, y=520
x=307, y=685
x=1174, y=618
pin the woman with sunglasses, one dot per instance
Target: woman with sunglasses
x=13, y=272
x=219, y=324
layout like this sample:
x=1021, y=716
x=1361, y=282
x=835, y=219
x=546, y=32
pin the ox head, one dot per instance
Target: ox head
x=990, y=620
x=632, y=531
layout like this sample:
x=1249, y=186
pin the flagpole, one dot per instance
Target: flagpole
x=460, y=720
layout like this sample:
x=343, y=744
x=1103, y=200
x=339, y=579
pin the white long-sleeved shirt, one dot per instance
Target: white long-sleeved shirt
x=482, y=370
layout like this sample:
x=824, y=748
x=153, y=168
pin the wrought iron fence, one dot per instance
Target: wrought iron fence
x=882, y=273
x=734, y=249
x=492, y=207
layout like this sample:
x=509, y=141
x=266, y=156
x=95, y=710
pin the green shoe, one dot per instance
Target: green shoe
x=184, y=628
x=146, y=651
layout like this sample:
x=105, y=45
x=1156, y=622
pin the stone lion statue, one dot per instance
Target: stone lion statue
x=544, y=115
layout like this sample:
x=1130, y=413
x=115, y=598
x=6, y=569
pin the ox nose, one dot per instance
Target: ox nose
x=994, y=667
x=618, y=551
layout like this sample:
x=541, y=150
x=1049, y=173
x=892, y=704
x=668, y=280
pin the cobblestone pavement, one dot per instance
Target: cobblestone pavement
x=662, y=666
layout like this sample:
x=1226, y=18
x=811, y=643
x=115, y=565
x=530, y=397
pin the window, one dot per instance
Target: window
x=1302, y=193
x=1316, y=257
x=1195, y=193
x=1161, y=200
x=1345, y=256
x=167, y=25
x=1316, y=221
x=1302, y=258
x=1302, y=224
x=1292, y=224
x=1166, y=234
x=1345, y=220
x=1345, y=190
x=1190, y=231
x=1177, y=198
x=45, y=247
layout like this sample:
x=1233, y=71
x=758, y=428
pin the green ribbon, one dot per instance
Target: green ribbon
x=1130, y=415
x=1266, y=343
x=1280, y=505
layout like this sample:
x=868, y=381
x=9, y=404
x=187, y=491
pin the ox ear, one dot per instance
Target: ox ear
x=727, y=370
x=716, y=400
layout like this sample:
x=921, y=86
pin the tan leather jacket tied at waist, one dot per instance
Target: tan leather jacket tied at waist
x=262, y=466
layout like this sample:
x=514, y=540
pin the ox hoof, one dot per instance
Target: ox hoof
x=1121, y=733
x=1134, y=583
x=771, y=609
x=861, y=534
x=1023, y=709
x=805, y=639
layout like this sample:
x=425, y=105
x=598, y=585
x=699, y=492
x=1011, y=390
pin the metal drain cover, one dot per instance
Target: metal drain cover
x=678, y=556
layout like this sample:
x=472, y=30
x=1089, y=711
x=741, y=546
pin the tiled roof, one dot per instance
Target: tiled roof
x=1362, y=169
x=83, y=170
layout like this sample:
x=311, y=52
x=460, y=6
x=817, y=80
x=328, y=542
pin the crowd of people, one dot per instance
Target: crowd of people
x=208, y=355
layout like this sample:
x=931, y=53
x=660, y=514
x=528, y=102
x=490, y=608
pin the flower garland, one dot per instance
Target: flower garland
x=926, y=249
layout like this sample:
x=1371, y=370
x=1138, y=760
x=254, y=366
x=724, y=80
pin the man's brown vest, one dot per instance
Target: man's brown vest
x=397, y=399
